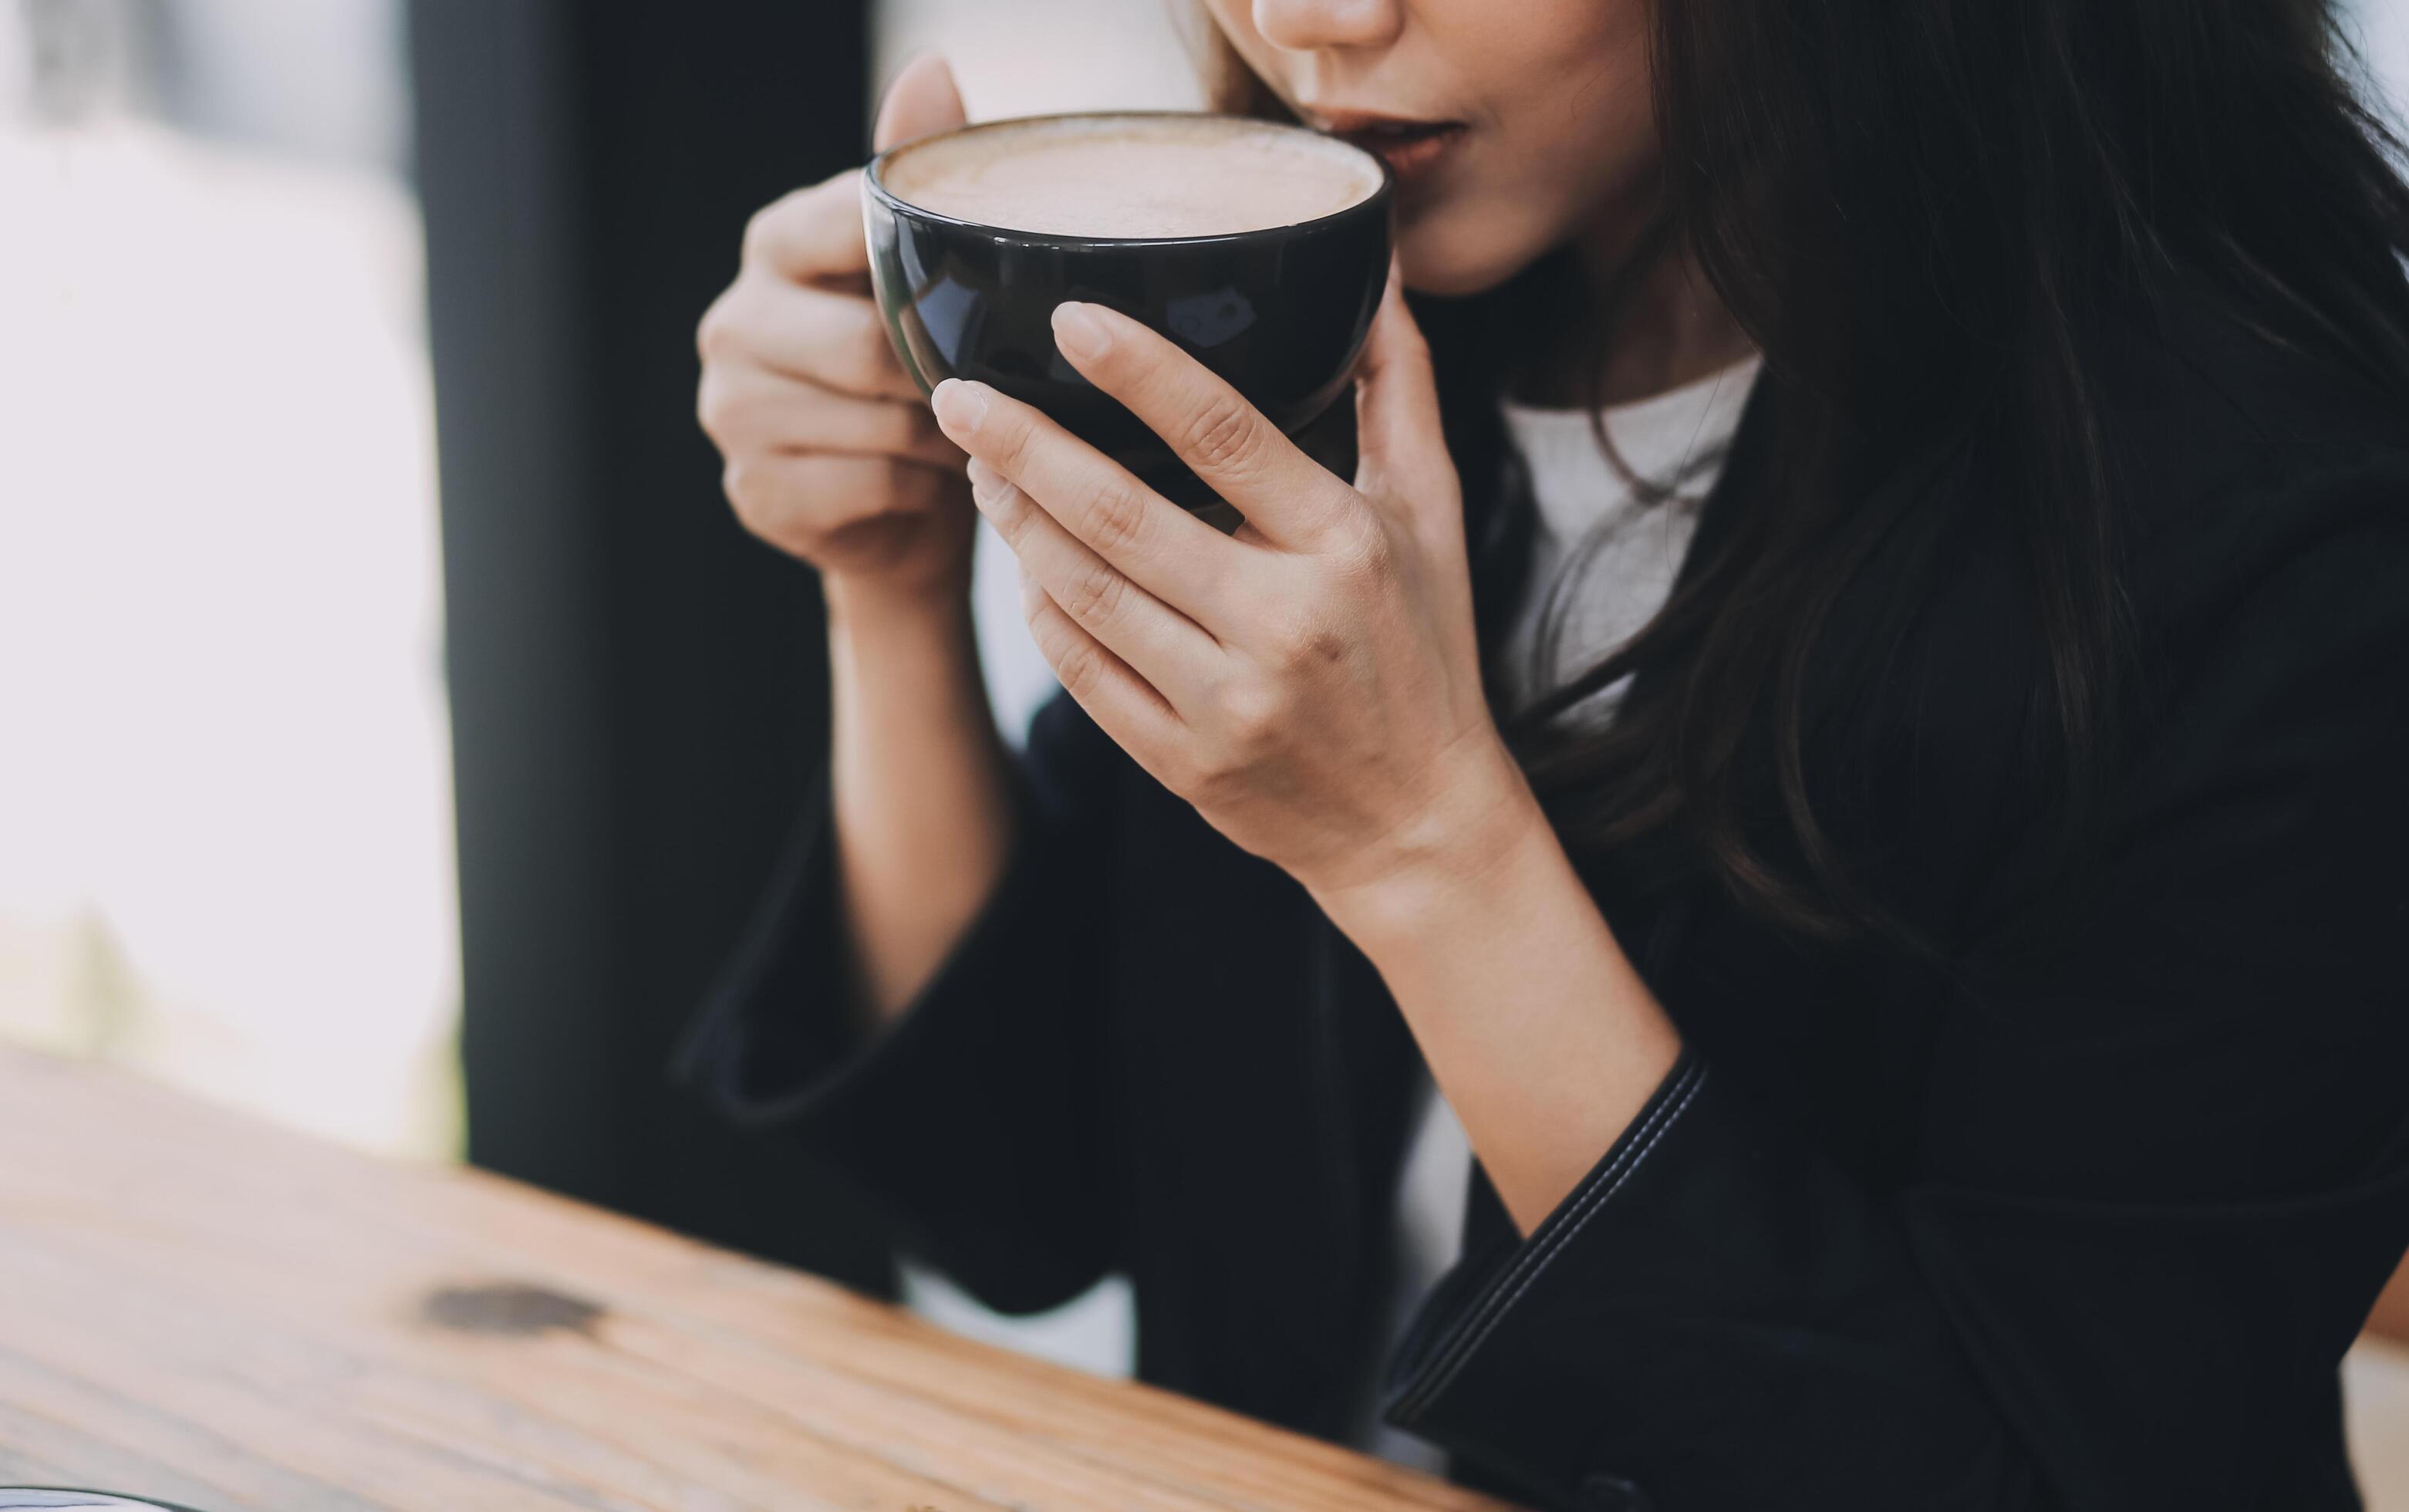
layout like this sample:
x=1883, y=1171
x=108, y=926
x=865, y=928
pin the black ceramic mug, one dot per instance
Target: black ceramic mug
x=1280, y=312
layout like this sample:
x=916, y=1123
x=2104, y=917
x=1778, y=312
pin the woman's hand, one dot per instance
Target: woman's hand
x=831, y=454
x=1311, y=684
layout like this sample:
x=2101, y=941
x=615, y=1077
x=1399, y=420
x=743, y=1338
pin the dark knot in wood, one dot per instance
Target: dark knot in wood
x=512, y=1308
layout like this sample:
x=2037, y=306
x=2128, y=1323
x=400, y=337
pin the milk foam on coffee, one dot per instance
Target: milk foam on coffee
x=1133, y=176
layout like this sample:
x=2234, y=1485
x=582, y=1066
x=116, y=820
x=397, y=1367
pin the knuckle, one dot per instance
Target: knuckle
x=1005, y=436
x=1095, y=594
x=1284, y=627
x=1312, y=647
x=838, y=195
x=1077, y=666
x=716, y=334
x=1224, y=434
x=1114, y=516
x=1250, y=712
x=775, y=233
x=1174, y=769
x=1007, y=510
x=1215, y=780
x=715, y=407
x=741, y=481
x=773, y=499
x=1366, y=556
x=761, y=232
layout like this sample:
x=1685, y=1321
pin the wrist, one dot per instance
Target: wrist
x=1492, y=840
x=902, y=664
x=871, y=609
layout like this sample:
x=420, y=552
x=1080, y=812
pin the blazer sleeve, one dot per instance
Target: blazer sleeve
x=2162, y=1173
x=976, y=1118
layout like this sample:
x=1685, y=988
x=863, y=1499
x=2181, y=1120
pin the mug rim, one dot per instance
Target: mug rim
x=873, y=184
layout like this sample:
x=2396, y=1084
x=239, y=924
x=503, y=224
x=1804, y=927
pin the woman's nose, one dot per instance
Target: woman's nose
x=1308, y=25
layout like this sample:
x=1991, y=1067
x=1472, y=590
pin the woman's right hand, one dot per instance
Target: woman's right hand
x=831, y=454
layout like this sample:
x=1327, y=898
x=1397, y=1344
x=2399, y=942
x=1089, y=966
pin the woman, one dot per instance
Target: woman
x=1911, y=932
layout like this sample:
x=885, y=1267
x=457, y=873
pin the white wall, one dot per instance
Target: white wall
x=225, y=827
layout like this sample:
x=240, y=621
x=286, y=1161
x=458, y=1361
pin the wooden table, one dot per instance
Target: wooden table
x=200, y=1307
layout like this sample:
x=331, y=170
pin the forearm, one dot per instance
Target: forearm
x=1535, y=1027
x=918, y=778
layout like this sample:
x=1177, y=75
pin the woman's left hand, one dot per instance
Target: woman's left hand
x=1312, y=684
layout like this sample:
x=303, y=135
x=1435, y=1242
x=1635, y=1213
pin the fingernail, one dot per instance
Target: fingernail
x=983, y=481
x=959, y=407
x=1079, y=333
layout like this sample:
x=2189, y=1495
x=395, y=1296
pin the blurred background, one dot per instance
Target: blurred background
x=395, y=725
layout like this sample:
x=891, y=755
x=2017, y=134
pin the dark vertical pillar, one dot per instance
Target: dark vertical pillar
x=636, y=688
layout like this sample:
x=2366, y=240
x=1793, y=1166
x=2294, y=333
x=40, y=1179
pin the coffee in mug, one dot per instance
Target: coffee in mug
x=1135, y=178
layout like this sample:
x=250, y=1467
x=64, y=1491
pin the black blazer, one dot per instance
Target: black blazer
x=2081, y=1224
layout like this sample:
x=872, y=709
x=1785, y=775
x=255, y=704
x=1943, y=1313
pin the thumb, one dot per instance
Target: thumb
x=1397, y=434
x=921, y=102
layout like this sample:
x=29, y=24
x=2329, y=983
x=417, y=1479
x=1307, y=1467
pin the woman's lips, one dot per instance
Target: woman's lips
x=1408, y=147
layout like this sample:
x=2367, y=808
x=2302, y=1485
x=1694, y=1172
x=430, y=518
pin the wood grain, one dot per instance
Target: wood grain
x=199, y=1307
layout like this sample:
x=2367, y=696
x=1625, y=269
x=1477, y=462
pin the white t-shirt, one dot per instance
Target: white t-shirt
x=1624, y=551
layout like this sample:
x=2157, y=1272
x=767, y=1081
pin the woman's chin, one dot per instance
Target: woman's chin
x=1453, y=261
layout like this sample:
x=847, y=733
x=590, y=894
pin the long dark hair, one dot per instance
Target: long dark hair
x=1924, y=215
